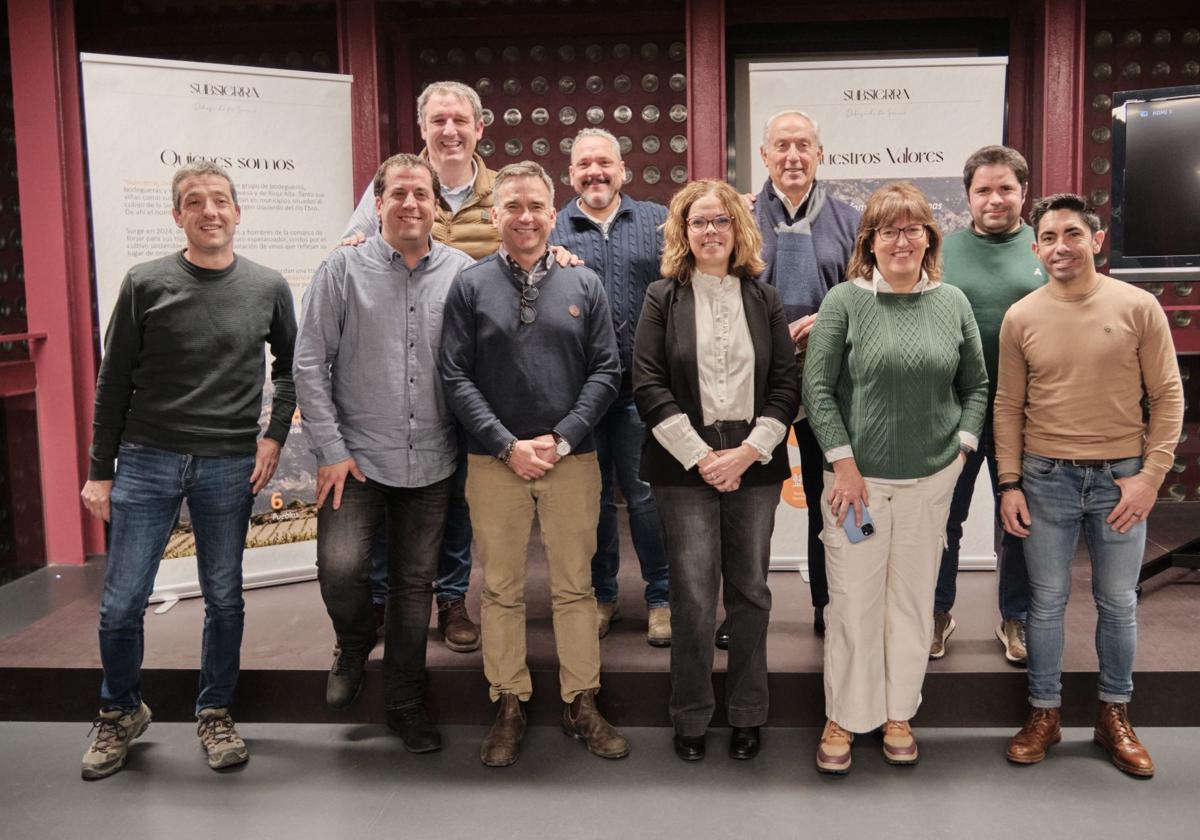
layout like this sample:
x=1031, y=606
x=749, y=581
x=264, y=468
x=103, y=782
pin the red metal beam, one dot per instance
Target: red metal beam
x=704, y=35
x=358, y=56
x=1058, y=98
x=57, y=285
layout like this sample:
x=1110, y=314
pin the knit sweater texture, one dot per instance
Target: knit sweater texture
x=895, y=376
x=183, y=365
x=994, y=272
x=627, y=259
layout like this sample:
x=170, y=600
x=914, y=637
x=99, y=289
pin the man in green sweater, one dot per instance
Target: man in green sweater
x=177, y=408
x=993, y=263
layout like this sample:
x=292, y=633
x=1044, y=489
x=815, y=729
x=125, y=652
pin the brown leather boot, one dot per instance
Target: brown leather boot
x=1042, y=730
x=1115, y=733
x=459, y=632
x=502, y=745
x=583, y=722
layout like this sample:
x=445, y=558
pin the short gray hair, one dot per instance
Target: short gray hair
x=458, y=89
x=524, y=169
x=199, y=169
x=591, y=131
x=789, y=113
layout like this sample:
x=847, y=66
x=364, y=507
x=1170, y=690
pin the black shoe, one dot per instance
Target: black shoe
x=689, y=747
x=819, y=621
x=722, y=639
x=744, y=742
x=415, y=729
x=345, y=680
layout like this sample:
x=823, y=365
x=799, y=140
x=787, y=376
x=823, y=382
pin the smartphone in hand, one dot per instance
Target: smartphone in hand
x=858, y=533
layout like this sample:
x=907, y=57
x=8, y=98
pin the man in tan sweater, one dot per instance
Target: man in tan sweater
x=1075, y=453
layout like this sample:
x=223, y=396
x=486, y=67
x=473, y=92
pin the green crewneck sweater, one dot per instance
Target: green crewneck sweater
x=895, y=376
x=994, y=272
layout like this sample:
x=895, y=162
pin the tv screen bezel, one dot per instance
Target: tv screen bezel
x=1119, y=263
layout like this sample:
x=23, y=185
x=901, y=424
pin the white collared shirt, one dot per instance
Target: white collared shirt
x=456, y=197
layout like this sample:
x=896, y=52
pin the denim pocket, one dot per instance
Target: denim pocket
x=1035, y=465
x=1124, y=468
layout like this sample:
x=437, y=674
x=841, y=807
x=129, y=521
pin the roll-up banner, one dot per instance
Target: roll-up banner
x=881, y=120
x=284, y=138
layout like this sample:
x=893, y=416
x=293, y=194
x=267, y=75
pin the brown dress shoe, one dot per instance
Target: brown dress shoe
x=583, y=722
x=459, y=632
x=1042, y=730
x=1115, y=733
x=502, y=745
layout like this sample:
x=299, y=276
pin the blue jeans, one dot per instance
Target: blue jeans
x=454, y=561
x=149, y=486
x=1010, y=559
x=619, y=438
x=415, y=519
x=1062, y=499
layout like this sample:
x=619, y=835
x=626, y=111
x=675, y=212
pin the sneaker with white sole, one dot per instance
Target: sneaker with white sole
x=115, y=731
x=220, y=739
x=1011, y=634
x=943, y=626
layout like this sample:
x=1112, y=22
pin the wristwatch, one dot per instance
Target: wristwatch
x=562, y=447
x=1005, y=486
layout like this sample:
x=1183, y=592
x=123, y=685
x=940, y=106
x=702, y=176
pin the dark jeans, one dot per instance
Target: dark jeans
x=710, y=536
x=1010, y=558
x=415, y=520
x=149, y=486
x=812, y=476
x=619, y=438
x=454, y=562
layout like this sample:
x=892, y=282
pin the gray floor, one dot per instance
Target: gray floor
x=327, y=782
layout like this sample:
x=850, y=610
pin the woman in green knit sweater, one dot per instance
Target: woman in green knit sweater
x=896, y=390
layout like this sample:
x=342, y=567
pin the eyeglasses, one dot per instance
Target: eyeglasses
x=720, y=224
x=891, y=234
x=529, y=294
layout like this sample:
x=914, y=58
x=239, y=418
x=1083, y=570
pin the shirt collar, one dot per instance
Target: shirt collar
x=390, y=254
x=878, y=284
x=465, y=188
x=535, y=274
x=787, y=204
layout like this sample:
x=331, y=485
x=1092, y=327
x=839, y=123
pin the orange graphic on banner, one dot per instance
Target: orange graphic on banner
x=792, y=491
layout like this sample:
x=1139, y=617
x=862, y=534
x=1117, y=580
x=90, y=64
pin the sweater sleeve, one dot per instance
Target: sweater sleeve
x=114, y=386
x=1008, y=417
x=971, y=380
x=603, y=372
x=822, y=370
x=457, y=365
x=282, y=340
x=1164, y=392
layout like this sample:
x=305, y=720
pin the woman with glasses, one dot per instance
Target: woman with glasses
x=714, y=379
x=896, y=390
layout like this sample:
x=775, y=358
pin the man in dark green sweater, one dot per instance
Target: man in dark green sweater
x=177, y=407
x=993, y=263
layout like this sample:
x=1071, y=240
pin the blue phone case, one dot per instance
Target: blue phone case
x=858, y=533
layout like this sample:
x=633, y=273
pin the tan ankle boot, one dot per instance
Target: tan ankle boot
x=583, y=722
x=1042, y=730
x=502, y=745
x=1115, y=733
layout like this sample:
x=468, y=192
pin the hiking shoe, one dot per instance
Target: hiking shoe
x=606, y=613
x=1115, y=734
x=658, y=627
x=115, y=730
x=1011, y=634
x=899, y=745
x=943, y=626
x=1042, y=730
x=833, y=750
x=220, y=739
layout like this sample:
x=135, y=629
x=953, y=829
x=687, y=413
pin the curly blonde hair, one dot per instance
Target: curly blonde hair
x=678, y=262
x=885, y=207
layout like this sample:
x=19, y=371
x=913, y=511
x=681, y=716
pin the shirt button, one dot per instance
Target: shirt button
x=412, y=309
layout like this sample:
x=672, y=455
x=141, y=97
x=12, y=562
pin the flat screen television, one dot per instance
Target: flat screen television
x=1155, y=230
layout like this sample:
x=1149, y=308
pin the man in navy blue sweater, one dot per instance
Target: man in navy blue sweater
x=529, y=365
x=621, y=240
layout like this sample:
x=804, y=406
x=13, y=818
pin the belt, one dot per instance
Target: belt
x=1082, y=462
x=723, y=425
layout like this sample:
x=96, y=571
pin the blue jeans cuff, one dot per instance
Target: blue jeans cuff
x=1039, y=703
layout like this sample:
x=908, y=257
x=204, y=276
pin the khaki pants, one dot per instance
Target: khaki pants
x=878, y=625
x=567, y=503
